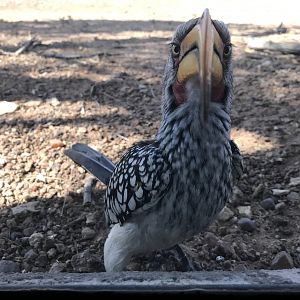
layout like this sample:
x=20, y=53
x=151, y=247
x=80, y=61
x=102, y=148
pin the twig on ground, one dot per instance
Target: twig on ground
x=89, y=184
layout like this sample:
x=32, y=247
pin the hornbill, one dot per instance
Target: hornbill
x=164, y=191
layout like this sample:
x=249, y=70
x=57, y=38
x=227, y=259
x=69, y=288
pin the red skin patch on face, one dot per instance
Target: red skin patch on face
x=179, y=93
x=178, y=89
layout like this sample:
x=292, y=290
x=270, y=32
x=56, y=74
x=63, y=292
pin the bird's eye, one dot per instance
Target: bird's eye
x=227, y=51
x=175, y=50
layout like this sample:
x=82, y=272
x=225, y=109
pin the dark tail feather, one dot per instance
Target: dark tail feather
x=92, y=161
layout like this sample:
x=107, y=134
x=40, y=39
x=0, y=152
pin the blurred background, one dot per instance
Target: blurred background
x=231, y=11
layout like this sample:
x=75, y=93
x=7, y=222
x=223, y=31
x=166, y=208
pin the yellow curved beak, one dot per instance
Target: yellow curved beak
x=200, y=54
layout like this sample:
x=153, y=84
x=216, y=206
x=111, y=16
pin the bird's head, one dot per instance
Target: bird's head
x=199, y=60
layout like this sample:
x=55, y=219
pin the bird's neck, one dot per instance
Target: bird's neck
x=183, y=136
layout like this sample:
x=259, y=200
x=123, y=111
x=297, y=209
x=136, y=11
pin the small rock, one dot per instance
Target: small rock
x=237, y=196
x=294, y=181
x=51, y=253
x=28, y=166
x=32, y=103
x=42, y=259
x=9, y=266
x=7, y=107
x=23, y=208
x=245, y=211
x=220, y=258
x=258, y=190
x=53, y=101
x=279, y=192
x=268, y=204
x=293, y=196
x=282, y=260
x=30, y=255
x=57, y=267
x=211, y=239
x=3, y=162
x=280, y=206
x=57, y=144
x=28, y=231
x=88, y=233
x=86, y=262
x=60, y=247
x=91, y=219
x=35, y=239
x=226, y=214
x=246, y=224
x=41, y=177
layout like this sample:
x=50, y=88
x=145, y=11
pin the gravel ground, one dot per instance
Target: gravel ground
x=99, y=82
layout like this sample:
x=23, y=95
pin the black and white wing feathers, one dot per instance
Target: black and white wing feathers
x=139, y=181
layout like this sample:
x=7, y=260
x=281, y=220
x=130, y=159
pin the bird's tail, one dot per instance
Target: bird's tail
x=92, y=161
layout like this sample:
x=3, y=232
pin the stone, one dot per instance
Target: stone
x=280, y=206
x=268, y=204
x=9, y=266
x=294, y=181
x=88, y=233
x=220, y=258
x=226, y=214
x=282, y=260
x=91, y=219
x=30, y=255
x=86, y=262
x=237, y=196
x=246, y=224
x=25, y=207
x=7, y=107
x=293, y=196
x=3, y=162
x=28, y=231
x=42, y=259
x=57, y=267
x=245, y=211
x=57, y=144
x=35, y=239
x=211, y=239
x=258, y=190
x=280, y=192
x=53, y=101
x=51, y=253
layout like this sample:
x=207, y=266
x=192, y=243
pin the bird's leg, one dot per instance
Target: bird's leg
x=185, y=259
x=89, y=184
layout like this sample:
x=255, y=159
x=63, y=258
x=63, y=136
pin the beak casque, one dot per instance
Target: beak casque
x=200, y=54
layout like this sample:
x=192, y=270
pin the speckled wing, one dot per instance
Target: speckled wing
x=139, y=181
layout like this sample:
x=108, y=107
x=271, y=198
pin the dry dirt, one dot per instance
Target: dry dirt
x=99, y=82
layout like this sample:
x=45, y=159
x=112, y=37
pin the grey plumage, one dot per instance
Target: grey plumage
x=163, y=192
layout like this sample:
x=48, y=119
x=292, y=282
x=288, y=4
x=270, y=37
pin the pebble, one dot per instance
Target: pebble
x=220, y=258
x=88, y=233
x=42, y=259
x=54, y=144
x=51, y=253
x=226, y=214
x=294, y=181
x=282, y=260
x=86, y=262
x=280, y=206
x=246, y=224
x=28, y=231
x=26, y=207
x=293, y=196
x=57, y=267
x=2, y=162
x=35, y=239
x=245, y=211
x=7, y=107
x=237, y=196
x=90, y=219
x=279, y=192
x=30, y=255
x=9, y=266
x=211, y=239
x=268, y=204
x=53, y=101
x=258, y=190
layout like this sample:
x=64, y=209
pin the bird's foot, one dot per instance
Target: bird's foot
x=89, y=184
x=182, y=254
